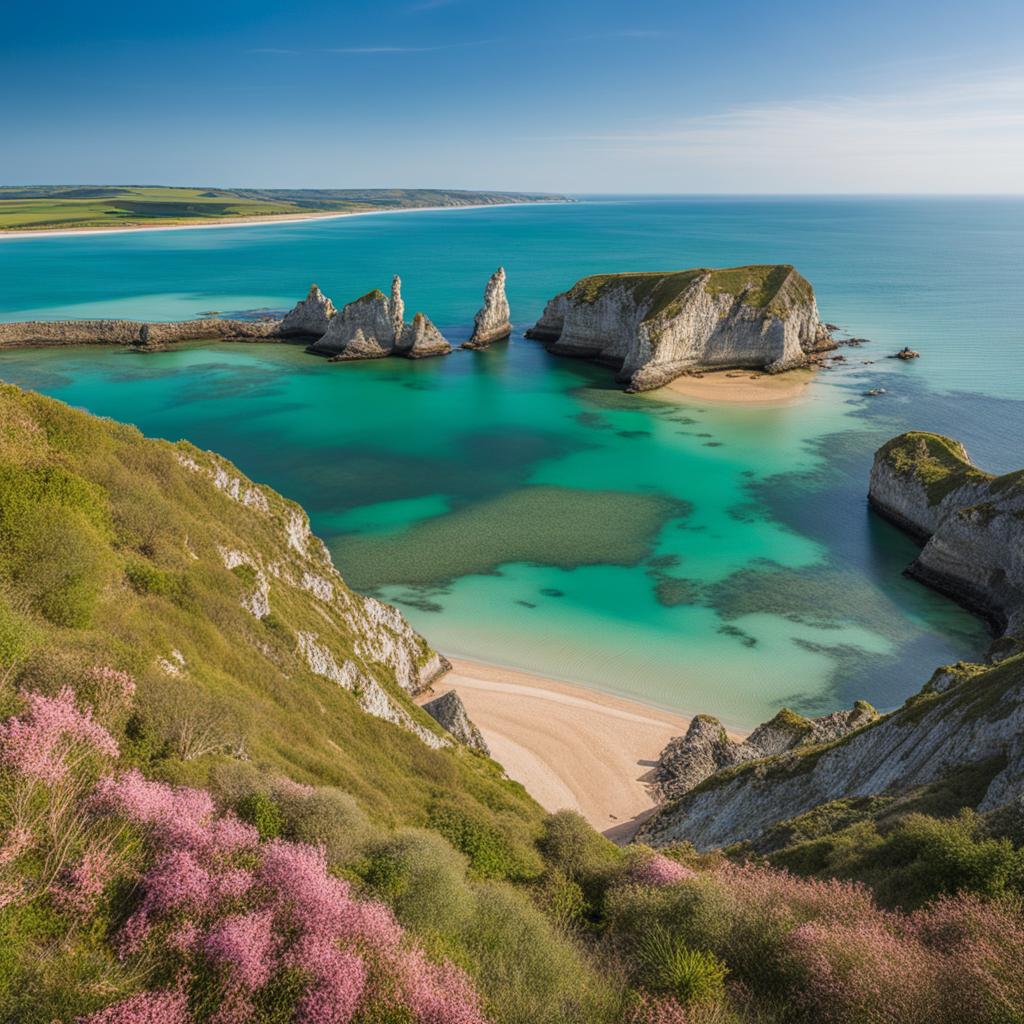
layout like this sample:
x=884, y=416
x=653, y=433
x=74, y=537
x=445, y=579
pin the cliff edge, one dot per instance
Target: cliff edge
x=654, y=327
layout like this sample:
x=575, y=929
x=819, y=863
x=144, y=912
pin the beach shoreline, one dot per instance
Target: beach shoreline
x=570, y=746
x=739, y=387
x=248, y=222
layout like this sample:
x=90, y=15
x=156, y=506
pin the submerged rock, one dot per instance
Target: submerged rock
x=449, y=711
x=706, y=748
x=310, y=317
x=492, y=322
x=653, y=327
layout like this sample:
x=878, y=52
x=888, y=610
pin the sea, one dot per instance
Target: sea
x=520, y=508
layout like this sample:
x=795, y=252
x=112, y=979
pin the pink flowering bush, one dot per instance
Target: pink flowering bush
x=658, y=870
x=52, y=737
x=144, y=1008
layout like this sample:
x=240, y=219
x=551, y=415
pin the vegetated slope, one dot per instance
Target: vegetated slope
x=55, y=206
x=166, y=562
x=164, y=621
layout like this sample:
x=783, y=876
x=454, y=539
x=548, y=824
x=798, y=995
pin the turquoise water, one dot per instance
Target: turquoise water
x=519, y=508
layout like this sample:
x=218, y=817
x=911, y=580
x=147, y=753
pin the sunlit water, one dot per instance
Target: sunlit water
x=520, y=508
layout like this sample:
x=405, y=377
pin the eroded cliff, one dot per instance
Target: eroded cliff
x=653, y=327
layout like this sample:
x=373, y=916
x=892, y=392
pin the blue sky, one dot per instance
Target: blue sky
x=556, y=95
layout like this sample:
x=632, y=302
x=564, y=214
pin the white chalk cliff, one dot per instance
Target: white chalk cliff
x=310, y=317
x=654, y=327
x=492, y=322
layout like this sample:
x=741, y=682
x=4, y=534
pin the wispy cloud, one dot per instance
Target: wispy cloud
x=956, y=135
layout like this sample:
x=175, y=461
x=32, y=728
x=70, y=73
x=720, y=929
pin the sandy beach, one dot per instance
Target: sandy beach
x=746, y=387
x=568, y=745
x=248, y=222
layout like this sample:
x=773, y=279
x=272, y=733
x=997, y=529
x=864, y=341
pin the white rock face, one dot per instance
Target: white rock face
x=309, y=318
x=654, y=327
x=492, y=322
x=364, y=329
x=449, y=711
x=971, y=523
x=421, y=339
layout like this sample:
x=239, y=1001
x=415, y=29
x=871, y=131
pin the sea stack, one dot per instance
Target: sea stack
x=654, y=327
x=492, y=322
x=421, y=339
x=363, y=329
x=309, y=318
x=970, y=522
x=449, y=711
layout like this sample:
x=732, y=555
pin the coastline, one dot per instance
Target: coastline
x=571, y=747
x=749, y=387
x=248, y=222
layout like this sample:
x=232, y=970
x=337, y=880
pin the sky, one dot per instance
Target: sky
x=603, y=96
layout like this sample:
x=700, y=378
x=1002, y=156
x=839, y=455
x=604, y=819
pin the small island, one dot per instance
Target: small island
x=654, y=327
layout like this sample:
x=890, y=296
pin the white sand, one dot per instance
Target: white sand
x=569, y=746
x=740, y=386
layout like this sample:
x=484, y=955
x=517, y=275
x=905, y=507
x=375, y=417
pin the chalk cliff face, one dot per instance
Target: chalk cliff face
x=971, y=523
x=492, y=322
x=966, y=718
x=653, y=327
x=309, y=318
x=374, y=326
x=421, y=339
x=706, y=748
x=449, y=711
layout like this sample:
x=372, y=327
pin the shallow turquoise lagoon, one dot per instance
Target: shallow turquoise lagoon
x=519, y=508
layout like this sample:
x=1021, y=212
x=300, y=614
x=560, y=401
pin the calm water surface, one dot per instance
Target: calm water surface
x=522, y=510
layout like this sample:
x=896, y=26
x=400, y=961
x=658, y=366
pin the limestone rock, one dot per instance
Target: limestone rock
x=363, y=329
x=970, y=522
x=449, y=711
x=706, y=748
x=139, y=334
x=397, y=307
x=492, y=322
x=309, y=318
x=653, y=327
x=421, y=339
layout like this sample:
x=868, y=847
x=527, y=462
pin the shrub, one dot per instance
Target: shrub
x=569, y=843
x=489, y=853
x=326, y=816
x=261, y=810
x=667, y=966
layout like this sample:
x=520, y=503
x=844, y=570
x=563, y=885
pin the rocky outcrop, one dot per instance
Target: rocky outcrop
x=968, y=720
x=449, y=712
x=976, y=724
x=421, y=339
x=654, y=327
x=970, y=522
x=373, y=327
x=309, y=318
x=138, y=333
x=492, y=322
x=706, y=748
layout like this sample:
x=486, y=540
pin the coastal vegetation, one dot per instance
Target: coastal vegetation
x=50, y=207
x=204, y=819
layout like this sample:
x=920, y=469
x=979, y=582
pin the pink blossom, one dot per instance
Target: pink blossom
x=176, y=880
x=659, y=871
x=38, y=742
x=120, y=684
x=82, y=885
x=437, y=993
x=244, y=942
x=143, y=1008
x=339, y=982
x=17, y=841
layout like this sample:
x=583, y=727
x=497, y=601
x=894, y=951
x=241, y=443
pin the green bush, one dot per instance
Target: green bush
x=666, y=965
x=422, y=878
x=329, y=817
x=490, y=855
x=261, y=810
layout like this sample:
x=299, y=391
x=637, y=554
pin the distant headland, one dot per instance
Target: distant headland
x=46, y=209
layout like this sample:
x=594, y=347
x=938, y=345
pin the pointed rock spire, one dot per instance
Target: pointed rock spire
x=311, y=316
x=492, y=323
x=397, y=307
x=449, y=711
x=421, y=339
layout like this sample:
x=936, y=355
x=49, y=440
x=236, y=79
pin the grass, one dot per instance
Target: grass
x=110, y=553
x=936, y=461
x=774, y=288
x=48, y=207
